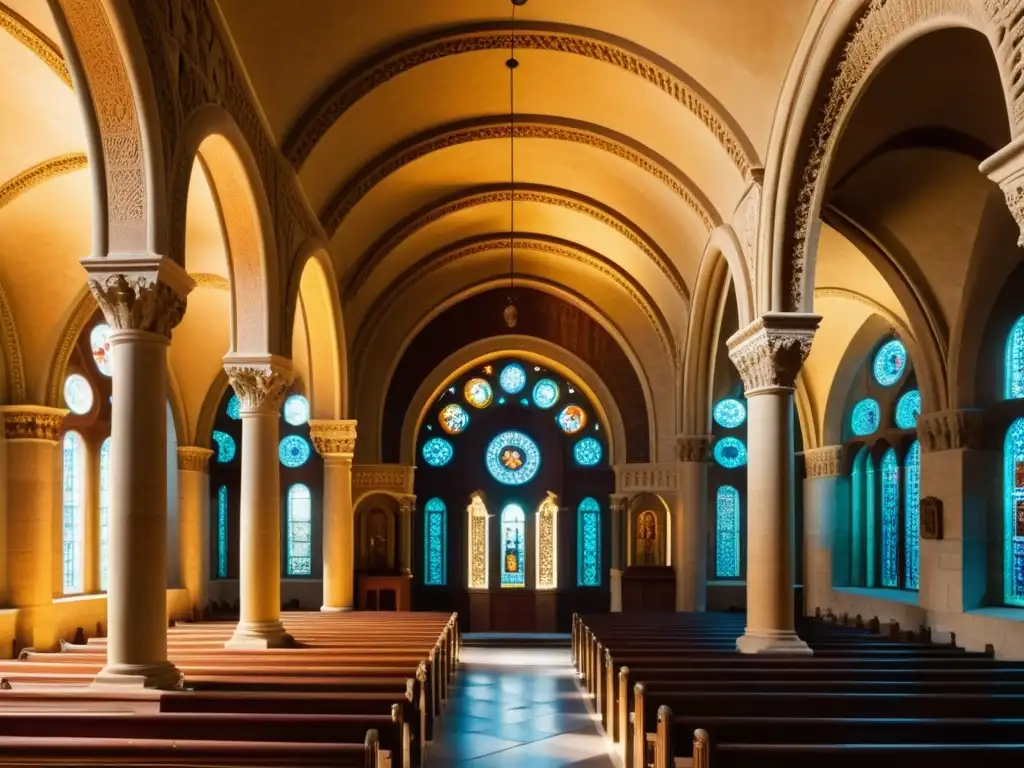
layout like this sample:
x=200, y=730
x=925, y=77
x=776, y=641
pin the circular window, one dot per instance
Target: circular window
x=730, y=452
x=225, y=446
x=890, y=362
x=296, y=410
x=99, y=340
x=512, y=458
x=865, y=417
x=478, y=393
x=453, y=419
x=572, y=419
x=729, y=413
x=587, y=452
x=545, y=393
x=908, y=407
x=78, y=394
x=437, y=452
x=234, y=408
x=293, y=451
x=512, y=378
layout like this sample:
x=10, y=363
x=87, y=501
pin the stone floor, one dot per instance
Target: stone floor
x=514, y=708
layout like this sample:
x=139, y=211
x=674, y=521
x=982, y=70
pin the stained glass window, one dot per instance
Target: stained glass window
x=78, y=394
x=104, y=512
x=590, y=543
x=299, y=531
x=222, y=532
x=225, y=446
x=513, y=543
x=512, y=458
x=74, y=513
x=99, y=340
x=296, y=410
x=437, y=452
x=727, y=533
x=1015, y=361
x=729, y=413
x=293, y=451
x=587, y=452
x=234, y=408
x=478, y=393
x=890, y=528
x=1013, y=492
x=730, y=452
x=545, y=393
x=572, y=419
x=911, y=514
x=890, y=362
x=865, y=417
x=907, y=409
x=512, y=378
x=436, y=545
x=453, y=419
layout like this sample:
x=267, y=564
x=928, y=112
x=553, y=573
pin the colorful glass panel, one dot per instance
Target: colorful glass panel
x=545, y=393
x=73, y=518
x=99, y=341
x=512, y=378
x=296, y=410
x=730, y=452
x=222, y=532
x=590, y=543
x=513, y=542
x=453, y=419
x=104, y=513
x=225, y=446
x=729, y=413
x=512, y=458
x=727, y=533
x=78, y=394
x=299, y=560
x=1013, y=492
x=587, y=452
x=866, y=417
x=294, y=451
x=437, y=452
x=908, y=407
x=1015, y=361
x=436, y=542
x=890, y=528
x=572, y=419
x=234, y=408
x=912, y=515
x=890, y=362
x=478, y=393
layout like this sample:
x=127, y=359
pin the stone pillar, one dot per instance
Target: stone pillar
x=33, y=497
x=689, y=529
x=768, y=354
x=194, y=519
x=618, y=507
x=142, y=300
x=260, y=382
x=336, y=442
x=406, y=508
x=824, y=505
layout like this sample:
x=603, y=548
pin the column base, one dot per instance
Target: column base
x=336, y=609
x=259, y=636
x=773, y=642
x=162, y=675
x=615, y=585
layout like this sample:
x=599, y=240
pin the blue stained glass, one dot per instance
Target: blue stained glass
x=1013, y=493
x=890, y=362
x=437, y=451
x=296, y=410
x=73, y=513
x=512, y=458
x=104, y=513
x=513, y=562
x=890, y=529
x=912, y=513
x=730, y=452
x=234, y=408
x=727, y=533
x=590, y=543
x=437, y=529
x=1015, y=361
x=545, y=393
x=222, y=532
x=512, y=378
x=299, y=531
x=293, y=451
x=729, y=413
x=587, y=452
x=907, y=409
x=225, y=446
x=865, y=417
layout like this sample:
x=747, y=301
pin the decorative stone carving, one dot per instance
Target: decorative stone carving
x=478, y=515
x=333, y=438
x=46, y=49
x=389, y=478
x=694, y=448
x=1006, y=168
x=192, y=458
x=32, y=422
x=637, y=478
x=951, y=430
x=824, y=462
x=770, y=351
x=144, y=294
x=37, y=174
x=746, y=221
x=260, y=383
x=930, y=519
x=406, y=504
x=618, y=503
x=547, y=542
x=12, y=390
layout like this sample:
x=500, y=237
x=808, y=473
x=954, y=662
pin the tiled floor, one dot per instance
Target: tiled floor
x=514, y=708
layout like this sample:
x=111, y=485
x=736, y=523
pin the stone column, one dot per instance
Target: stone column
x=336, y=442
x=194, y=519
x=33, y=496
x=406, y=508
x=768, y=354
x=825, y=504
x=142, y=300
x=689, y=530
x=260, y=382
x=618, y=506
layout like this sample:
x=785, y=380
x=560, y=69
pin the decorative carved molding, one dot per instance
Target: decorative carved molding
x=639, y=478
x=930, y=518
x=213, y=282
x=951, y=430
x=379, y=69
x=547, y=542
x=824, y=462
x=746, y=222
x=139, y=301
x=387, y=478
x=333, y=438
x=15, y=368
x=192, y=458
x=496, y=127
x=84, y=308
x=260, y=383
x=769, y=352
x=32, y=422
x=1006, y=168
x=56, y=166
x=693, y=448
x=618, y=503
x=406, y=504
x=42, y=46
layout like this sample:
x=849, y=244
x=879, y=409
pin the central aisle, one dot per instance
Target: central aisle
x=517, y=707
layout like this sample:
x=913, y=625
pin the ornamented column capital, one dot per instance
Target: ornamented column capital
x=770, y=351
x=32, y=422
x=826, y=461
x=144, y=294
x=693, y=448
x=260, y=382
x=192, y=458
x=950, y=430
x=1006, y=168
x=406, y=504
x=333, y=438
x=618, y=503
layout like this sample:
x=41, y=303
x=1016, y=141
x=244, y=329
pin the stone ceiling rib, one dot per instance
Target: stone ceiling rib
x=37, y=174
x=42, y=46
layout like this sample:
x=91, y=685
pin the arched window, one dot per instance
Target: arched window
x=890, y=519
x=74, y=513
x=513, y=541
x=727, y=533
x=299, y=531
x=436, y=543
x=1013, y=492
x=104, y=512
x=1015, y=361
x=589, y=533
x=222, y=532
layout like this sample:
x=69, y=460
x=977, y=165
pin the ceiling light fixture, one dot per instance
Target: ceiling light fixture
x=511, y=314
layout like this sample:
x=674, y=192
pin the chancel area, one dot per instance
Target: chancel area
x=512, y=382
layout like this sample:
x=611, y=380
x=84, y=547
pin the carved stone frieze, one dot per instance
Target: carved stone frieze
x=259, y=383
x=826, y=461
x=693, y=448
x=769, y=352
x=192, y=458
x=32, y=422
x=950, y=430
x=638, y=478
x=333, y=438
x=389, y=478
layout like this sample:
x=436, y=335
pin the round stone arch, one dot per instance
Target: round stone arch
x=208, y=411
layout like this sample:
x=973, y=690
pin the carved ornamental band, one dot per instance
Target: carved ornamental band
x=333, y=438
x=693, y=448
x=146, y=294
x=192, y=458
x=260, y=385
x=824, y=462
x=770, y=351
x=27, y=422
x=950, y=430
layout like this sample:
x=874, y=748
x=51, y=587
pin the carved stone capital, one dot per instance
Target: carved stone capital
x=139, y=294
x=693, y=448
x=260, y=382
x=32, y=422
x=333, y=438
x=1006, y=168
x=654, y=478
x=770, y=351
x=192, y=458
x=618, y=503
x=826, y=461
x=951, y=430
x=406, y=504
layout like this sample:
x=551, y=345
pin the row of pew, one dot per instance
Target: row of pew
x=671, y=688
x=357, y=690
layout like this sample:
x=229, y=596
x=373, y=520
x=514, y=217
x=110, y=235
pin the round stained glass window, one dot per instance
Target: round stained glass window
x=512, y=378
x=572, y=419
x=890, y=362
x=437, y=451
x=293, y=451
x=907, y=409
x=225, y=446
x=512, y=458
x=99, y=340
x=545, y=393
x=453, y=419
x=296, y=410
x=865, y=418
x=78, y=394
x=730, y=452
x=729, y=413
x=478, y=393
x=234, y=408
x=587, y=452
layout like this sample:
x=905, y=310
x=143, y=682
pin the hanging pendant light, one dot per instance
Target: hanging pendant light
x=511, y=313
